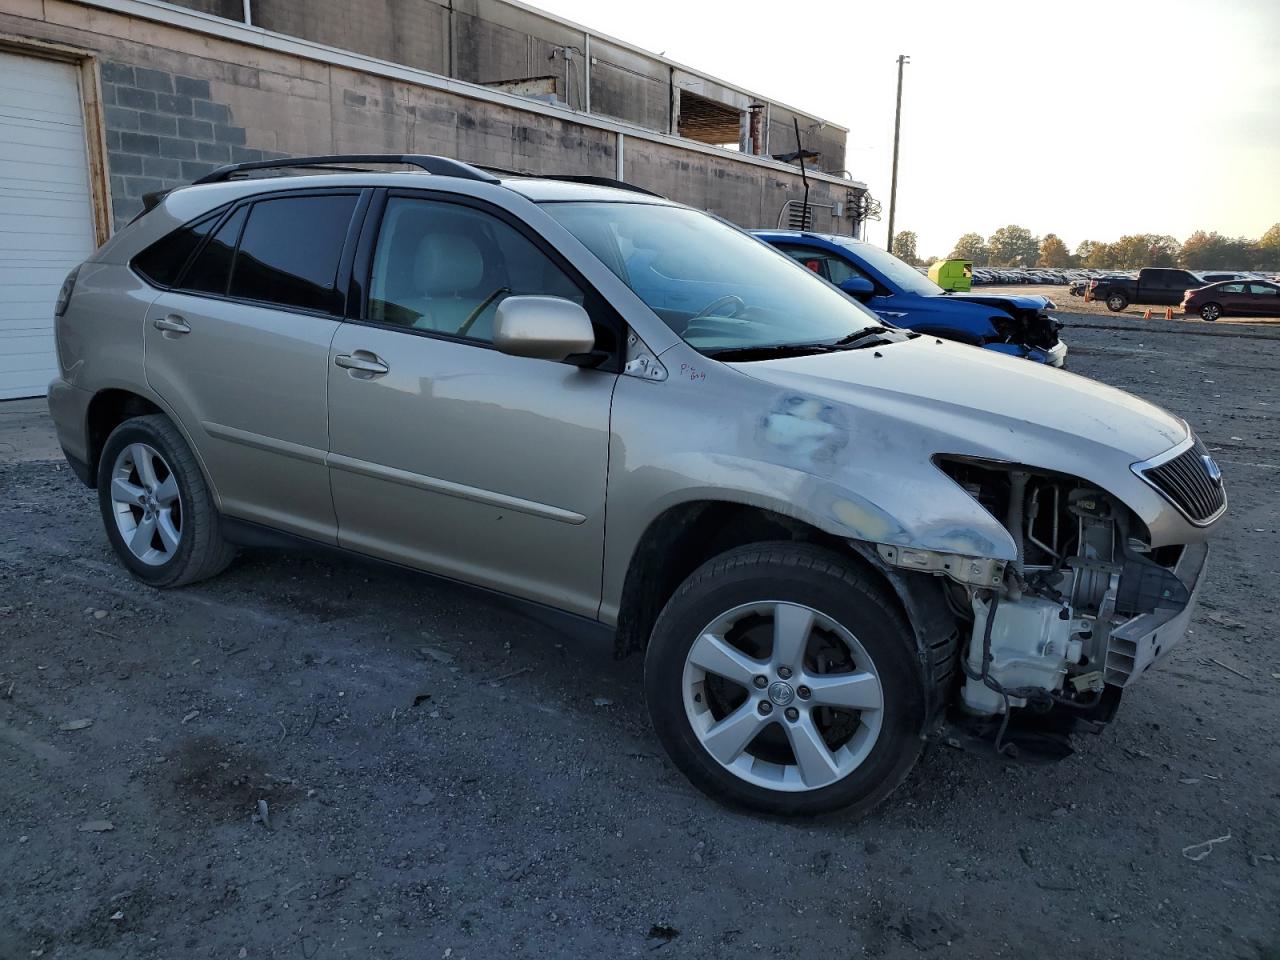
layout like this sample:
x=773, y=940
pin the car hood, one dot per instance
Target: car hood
x=1019, y=302
x=953, y=398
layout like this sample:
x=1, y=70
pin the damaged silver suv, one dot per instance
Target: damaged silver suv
x=831, y=540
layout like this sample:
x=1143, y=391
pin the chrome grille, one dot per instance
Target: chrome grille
x=1188, y=482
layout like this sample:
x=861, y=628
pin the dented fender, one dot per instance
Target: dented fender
x=786, y=451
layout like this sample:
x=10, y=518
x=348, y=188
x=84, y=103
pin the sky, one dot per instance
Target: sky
x=1086, y=119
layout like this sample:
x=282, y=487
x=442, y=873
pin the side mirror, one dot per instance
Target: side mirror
x=858, y=287
x=544, y=328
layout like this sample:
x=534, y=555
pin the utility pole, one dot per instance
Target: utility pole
x=897, y=124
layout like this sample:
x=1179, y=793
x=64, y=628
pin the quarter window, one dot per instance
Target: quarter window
x=212, y=266
x=444, y=268
x=162, y=262
x=289, y=251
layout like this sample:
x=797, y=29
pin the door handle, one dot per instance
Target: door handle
x=362, y=362
x=171, y=324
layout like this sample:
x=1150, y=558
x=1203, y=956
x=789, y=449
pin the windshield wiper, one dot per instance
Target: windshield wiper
x=866, y=337
x=769, y=351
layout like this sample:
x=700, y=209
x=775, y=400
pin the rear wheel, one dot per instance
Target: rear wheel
x=1117, y=302
x=780, y=678
x=1210, y=311
x=156, y=506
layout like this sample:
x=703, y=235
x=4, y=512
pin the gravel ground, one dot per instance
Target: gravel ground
x=445, y=777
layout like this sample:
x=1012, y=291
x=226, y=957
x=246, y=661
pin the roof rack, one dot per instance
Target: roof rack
x=440, y=166
x=576, y=178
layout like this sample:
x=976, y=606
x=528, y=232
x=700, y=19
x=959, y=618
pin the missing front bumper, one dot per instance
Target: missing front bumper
x=1138, y=644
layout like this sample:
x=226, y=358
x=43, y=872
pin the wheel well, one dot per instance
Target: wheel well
x=107, y=410
x=685, y=537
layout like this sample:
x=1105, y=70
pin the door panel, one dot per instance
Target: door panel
x=1263, y=299
x=241, y=353
x=248, y=383
x=463, y=461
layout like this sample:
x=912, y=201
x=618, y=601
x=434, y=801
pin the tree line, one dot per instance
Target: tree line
x=1015, y=246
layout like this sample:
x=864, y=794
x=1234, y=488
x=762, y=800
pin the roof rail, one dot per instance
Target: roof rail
x=440, y=166
x=576, y=178
x=600, y=182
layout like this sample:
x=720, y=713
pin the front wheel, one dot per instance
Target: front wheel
x=1117, y=302
x=157, y=508
x=780, y=678
x=1210, y=312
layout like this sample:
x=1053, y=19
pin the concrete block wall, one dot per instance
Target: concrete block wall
x=163, y=130
x=178, y=102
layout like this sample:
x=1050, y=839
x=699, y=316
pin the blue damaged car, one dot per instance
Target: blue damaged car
x=1017, y=325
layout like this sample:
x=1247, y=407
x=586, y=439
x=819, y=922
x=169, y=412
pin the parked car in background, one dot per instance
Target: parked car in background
x=832, y=540
x=1234, y=298
x=1162, y=286
x=1020, y=326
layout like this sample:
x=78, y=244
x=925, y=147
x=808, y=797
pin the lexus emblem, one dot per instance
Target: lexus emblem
x=1212, y=469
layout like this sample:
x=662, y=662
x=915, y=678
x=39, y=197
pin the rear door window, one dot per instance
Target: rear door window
x=289, y=251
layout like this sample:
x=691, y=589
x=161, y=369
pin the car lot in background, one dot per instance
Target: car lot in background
x=1098, y=309
x=1234, y=298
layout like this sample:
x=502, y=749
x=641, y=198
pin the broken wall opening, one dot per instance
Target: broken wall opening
x=709, y=121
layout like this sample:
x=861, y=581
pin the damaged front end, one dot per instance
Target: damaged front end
x=1056, y=634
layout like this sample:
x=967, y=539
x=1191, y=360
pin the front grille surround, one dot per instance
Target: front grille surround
x=1182, y=477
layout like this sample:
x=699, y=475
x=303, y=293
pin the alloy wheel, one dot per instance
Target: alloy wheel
x=146, y=504
x=782, y=696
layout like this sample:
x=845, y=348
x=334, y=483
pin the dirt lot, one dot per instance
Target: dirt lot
x=445, y=777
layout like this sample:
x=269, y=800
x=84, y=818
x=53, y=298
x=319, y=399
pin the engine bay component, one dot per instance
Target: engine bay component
x=1087, y=605
x=1033, y=642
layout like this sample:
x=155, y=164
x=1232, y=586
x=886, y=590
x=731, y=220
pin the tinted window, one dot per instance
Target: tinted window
x=1232, y=288
x=289, y=251
x=212, y=266
x=162, y=262
x=444, y=267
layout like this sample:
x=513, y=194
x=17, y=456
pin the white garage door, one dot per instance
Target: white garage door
x=46, y=218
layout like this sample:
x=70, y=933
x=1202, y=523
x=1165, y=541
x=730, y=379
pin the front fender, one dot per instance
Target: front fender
x=794, y=454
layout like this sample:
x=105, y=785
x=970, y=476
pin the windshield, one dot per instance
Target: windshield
x=717, y=287
x=894, y=270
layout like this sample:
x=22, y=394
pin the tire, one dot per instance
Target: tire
x=852, y=766
x=1116, y=302
x=148, y=475
x=1211, y=312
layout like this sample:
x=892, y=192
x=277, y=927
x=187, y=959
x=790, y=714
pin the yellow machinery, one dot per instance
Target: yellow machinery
x=952, y=274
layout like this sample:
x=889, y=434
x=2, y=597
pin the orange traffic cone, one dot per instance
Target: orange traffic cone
x=1146, y=314
x=1168, y=313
